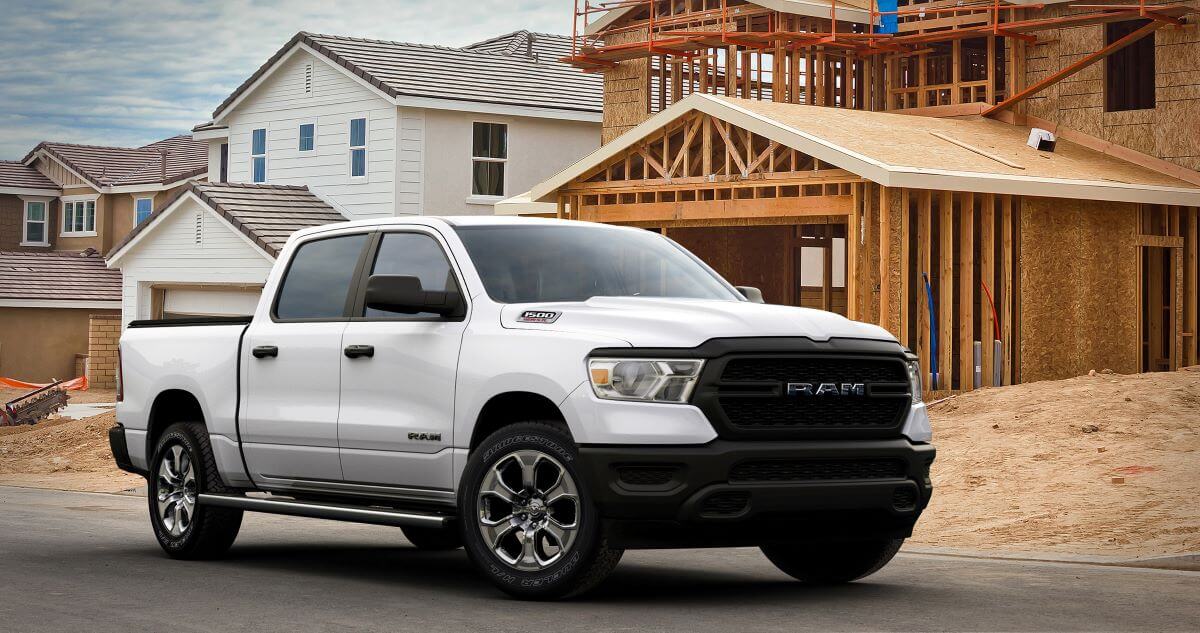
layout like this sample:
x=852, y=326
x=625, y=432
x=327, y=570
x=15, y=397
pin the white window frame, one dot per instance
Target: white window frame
x=136, y=199
x=266, y=152
x=67, y=229
x=45, y=221
x=365, y=147
x=312, y=122
x=473, y=198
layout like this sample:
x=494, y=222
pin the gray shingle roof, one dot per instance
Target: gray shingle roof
x=544, y=46
x=58, y=276
x=267, y=214
x=17, y=174
x=478, y=74
x=109, y=166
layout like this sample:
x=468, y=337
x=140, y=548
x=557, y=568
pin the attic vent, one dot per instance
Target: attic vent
x=199, y=226
x=308, y=79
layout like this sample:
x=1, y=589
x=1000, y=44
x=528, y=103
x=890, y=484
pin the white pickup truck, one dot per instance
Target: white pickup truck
x=545, y=393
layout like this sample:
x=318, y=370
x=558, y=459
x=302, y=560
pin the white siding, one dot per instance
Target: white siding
x=192, y=246
x=280, y=105
x=410, y=170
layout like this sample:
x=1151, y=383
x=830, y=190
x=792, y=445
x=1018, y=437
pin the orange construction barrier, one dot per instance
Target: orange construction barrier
x=77, y=384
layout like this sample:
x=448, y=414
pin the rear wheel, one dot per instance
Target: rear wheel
x=434, y=539
x=832, y=563
x=182, y=468
x=528, y=523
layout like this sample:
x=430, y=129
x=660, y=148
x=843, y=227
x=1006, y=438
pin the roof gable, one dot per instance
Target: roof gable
x=897, y=150
x=480, y=73
x=265, y=215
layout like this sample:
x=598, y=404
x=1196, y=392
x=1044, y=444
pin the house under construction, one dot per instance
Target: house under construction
x=875, y=158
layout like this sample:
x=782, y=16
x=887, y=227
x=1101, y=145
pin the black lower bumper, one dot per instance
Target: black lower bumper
x=120, y=450
x=727, y=493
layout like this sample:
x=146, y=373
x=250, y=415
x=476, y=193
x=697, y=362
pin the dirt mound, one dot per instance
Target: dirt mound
x=1100, y=464
x=61, y=453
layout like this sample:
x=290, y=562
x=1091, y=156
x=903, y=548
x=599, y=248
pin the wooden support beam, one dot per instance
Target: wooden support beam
x=768, y=152
x=683, y=150
x=907, y=290
x=562, y=208
x=966, y=291
x=1192, y=287
x=945, y=295
x=1008, y=313
x=730, y=148
x=885, y=262
x=1075, y=67
x=827, y=272
x=852, y=277
x=924, y=267
x=987, y=266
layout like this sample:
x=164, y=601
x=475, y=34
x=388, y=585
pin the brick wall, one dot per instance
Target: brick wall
x=104, y=330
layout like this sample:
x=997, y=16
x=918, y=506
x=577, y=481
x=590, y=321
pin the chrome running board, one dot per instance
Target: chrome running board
x=357, y=514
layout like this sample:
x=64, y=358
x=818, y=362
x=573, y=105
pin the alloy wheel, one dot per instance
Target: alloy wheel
x=176, y=490
x=528, y=507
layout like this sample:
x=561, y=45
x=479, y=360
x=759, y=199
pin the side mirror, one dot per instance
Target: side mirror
x=402, y=293
x=751, y=293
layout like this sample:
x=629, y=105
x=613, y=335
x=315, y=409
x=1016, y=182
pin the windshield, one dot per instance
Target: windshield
x=529, y=264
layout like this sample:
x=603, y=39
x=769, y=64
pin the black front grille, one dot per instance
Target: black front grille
x=747, y=396
x=725, y=504
x=817, y=470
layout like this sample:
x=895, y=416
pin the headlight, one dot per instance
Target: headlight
x=914, y=380
x=666, y=380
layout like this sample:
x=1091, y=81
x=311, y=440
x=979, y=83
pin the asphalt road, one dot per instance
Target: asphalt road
x=88, y=562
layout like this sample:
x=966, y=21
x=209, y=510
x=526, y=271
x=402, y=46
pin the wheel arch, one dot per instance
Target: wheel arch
x=511, y=407
x=171, y=406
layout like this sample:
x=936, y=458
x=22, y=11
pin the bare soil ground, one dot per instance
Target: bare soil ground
x=1101, y=464
x=1104, y=464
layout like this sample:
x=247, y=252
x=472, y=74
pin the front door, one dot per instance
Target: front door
x=289, y=413
x=397, y=406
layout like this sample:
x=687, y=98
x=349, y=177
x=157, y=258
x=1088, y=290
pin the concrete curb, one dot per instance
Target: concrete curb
x=1179, y=562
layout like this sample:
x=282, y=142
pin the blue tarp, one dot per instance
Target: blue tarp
x=887, y=23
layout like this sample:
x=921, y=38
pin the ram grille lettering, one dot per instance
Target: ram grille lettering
x=826, y=389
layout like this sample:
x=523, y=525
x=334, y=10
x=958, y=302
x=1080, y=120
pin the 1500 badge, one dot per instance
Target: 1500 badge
x=538, y=316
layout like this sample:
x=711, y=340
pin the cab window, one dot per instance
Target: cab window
x=319, y=277
x=416, y=255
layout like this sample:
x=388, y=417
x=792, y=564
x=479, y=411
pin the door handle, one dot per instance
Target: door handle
x=359, y=351
x=265, y=351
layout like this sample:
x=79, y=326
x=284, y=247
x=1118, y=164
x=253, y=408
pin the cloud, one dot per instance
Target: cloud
x=130, y=72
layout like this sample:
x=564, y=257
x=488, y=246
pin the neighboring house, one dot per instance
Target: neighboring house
x=207, y=252
x=61, y=209
x=386, y=128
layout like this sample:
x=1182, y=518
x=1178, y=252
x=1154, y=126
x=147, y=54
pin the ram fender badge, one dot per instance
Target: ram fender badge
x=428, y=437
x=538, y=316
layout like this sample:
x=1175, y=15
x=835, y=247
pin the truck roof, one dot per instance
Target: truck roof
x=452, y=221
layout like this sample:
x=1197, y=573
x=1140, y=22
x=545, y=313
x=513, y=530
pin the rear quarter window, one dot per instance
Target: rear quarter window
x=318, y=278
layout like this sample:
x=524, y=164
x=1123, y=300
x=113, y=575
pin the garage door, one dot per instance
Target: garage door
x=187, y=302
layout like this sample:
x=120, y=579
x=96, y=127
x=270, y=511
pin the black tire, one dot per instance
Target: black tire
x=434, y=539
x=209, y=531
x=585, y=563
x=832, y=563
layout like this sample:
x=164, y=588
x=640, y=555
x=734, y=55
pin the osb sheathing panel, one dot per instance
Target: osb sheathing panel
x=1079, y=304
x=745, y=255
x=625, y=91
x=1169, y=131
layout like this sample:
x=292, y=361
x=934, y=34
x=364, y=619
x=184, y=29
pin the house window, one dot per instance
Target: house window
x=308, y=133
x=358, y=148
x=1129, y=72
x=143, y=207
x=35, y=232
x=258, y=155
x=489, y=151
x=79, y=218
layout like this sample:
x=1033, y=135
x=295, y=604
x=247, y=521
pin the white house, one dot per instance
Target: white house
x=381, y=128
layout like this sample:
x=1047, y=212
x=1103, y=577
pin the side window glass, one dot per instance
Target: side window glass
x=318, y=278
x=416, y=255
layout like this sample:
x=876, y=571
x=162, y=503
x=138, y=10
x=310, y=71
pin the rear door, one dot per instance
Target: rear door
x=396, y=421
x=289, y=413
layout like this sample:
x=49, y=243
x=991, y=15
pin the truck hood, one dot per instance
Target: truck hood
x=657, y=322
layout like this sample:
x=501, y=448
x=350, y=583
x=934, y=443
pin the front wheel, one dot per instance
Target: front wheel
x=528, y=523
x=832, y=563
x=182, y=468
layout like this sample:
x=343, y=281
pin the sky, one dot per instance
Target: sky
x=130, y=72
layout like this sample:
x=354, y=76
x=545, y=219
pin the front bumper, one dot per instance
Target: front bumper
x=120, y=450
x=755, y=492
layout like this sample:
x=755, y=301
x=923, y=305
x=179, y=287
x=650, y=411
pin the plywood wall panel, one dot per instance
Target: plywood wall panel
x=1078, y=276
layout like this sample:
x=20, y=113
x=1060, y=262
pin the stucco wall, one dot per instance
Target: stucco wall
x=1078, y=275
x=40, y=344
x=12, y=219
x=537, y=149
